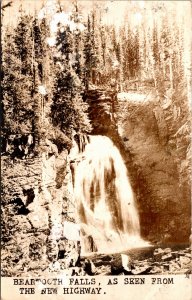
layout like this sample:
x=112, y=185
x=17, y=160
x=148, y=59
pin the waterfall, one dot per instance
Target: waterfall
x=104, y=199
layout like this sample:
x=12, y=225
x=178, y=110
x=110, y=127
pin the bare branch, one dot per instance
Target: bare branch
x=7, y=5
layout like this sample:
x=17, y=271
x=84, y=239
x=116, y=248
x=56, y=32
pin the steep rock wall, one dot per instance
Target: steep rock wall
x=37, y=201
x=162, y=198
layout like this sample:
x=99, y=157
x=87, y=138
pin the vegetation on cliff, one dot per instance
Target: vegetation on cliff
x=54, y=57
x=49, y=60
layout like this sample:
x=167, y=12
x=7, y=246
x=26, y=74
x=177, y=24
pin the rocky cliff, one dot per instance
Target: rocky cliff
x=37, y=203
x=38, y=208
x=162, y=191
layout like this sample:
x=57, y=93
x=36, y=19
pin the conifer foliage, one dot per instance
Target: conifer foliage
x=18, y=78
x=68, y=111
x=42, y=89
x=43, y=84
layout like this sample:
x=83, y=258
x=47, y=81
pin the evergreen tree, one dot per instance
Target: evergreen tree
x=18, y=79
x=68, y=111
x=42, y=78
x=88, y=54
x=78, y=61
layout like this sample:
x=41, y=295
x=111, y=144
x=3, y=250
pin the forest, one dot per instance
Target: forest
x=47, y=65
x=54, y=57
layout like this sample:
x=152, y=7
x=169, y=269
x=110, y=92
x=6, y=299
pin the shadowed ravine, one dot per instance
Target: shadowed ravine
x=105, y=202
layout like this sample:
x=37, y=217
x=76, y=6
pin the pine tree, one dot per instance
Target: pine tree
x=88, y=52
x=18, y=81
x=78, y=61
x=68, y=111
x=42, y=79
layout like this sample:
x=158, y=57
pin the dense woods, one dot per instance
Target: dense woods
x=46, y=70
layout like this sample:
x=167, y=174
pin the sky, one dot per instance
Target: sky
x=113, y=11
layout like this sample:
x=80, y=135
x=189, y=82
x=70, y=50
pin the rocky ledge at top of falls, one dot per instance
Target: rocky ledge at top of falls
x=101, y=110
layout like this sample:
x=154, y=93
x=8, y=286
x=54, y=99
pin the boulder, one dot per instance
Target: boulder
x=184, y=261
x=68, y=253
x=166, y=267
x=116, y=265
x=158, y=253
x=175, y=254
x=77, y=271
x=121, y=264
x=156, y=270
x=167, y=257
x=142, y=270
x=89, y=267
x=167, y=250
x=127, y=264
x=174, y=267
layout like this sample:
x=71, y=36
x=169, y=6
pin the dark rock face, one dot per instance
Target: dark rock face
x=30, y=195
x=163, y=200
x=101, y=111
x=35, y=206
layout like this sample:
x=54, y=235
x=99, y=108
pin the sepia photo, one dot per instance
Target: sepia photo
x=95, y=143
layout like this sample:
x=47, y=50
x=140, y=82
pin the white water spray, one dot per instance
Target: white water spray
x=106, y=208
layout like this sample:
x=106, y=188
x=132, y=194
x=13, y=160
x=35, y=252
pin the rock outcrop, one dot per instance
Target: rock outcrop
x=147, y=261
x=163, y=198
x=37, y=202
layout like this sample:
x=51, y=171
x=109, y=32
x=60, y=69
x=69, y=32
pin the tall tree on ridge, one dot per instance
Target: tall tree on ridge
x=68, y=109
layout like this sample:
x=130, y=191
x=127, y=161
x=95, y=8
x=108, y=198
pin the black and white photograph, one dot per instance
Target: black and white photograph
x=95, y=147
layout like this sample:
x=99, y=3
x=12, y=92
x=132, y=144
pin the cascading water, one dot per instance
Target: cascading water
x=104, y=198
